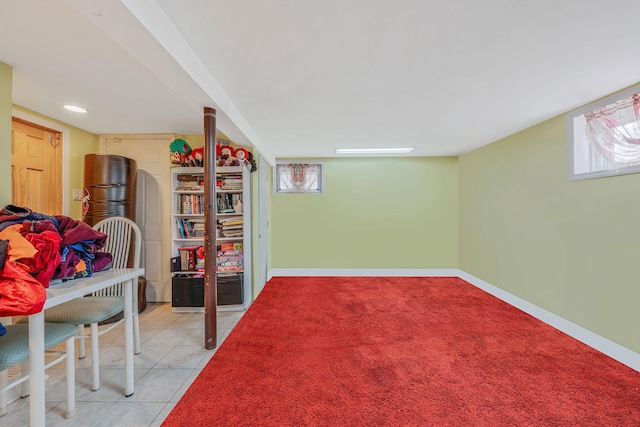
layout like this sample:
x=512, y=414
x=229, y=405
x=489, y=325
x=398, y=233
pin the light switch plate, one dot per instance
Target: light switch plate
x=77, y=194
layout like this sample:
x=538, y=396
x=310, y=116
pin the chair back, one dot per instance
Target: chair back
x=124, y=243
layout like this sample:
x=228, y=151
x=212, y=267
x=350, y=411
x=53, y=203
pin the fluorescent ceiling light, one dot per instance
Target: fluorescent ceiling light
x=373, y=150
x=75, y=108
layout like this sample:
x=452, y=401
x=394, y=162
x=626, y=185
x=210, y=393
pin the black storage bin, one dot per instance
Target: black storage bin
x=230, y=289
x=187, y=291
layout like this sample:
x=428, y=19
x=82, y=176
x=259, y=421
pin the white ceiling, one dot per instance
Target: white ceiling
x=299, y=78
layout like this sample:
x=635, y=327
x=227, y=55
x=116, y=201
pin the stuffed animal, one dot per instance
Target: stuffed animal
x=227, y=157
x=190, y=159
x=252, y=162
x=227, y=151
x=176, y=158
x=179, y=150
x=198, y=155
x=245, y=158
x=242, y=154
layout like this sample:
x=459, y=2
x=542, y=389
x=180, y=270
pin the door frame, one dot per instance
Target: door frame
x=263, y=224
x=66, y=141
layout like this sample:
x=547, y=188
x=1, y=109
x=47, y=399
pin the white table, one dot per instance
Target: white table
x=61, y=293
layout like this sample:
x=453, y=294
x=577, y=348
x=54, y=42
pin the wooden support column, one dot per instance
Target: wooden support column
x=210, y=244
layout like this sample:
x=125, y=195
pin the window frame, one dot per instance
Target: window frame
x=276, y=176
x=571, y=118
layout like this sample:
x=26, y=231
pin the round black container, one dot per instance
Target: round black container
x=109, y=187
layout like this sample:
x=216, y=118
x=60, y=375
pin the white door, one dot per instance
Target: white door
x=153, y=204
x=263, y=225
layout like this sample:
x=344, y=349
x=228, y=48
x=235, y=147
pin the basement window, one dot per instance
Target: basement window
x=604, y=137
x=299, y=177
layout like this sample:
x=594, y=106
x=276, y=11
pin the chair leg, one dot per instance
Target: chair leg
x=136, y=331
x=71, y=379
x=95, y=359
x=4, y=380
x=81, y=352
x=24, y=372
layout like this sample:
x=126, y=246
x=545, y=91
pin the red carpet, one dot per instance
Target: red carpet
x=344, y=351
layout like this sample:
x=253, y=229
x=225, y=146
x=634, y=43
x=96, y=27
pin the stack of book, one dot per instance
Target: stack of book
x=231, y=226
x=190, y=183
x=230, y=257
x=229, y=182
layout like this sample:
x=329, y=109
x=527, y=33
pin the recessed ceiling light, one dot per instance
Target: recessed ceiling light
x=75, y=109
x=373, y=150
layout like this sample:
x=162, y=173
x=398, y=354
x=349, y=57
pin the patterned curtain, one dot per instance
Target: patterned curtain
x=299, y=177
x=614, y=131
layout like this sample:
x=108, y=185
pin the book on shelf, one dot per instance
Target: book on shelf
x=191, y=204
x=190, y=228
x=231, y=234
x=233, y=268
x=181, y=231
x=191, y=258
x=230, y=246
x=197, y=228
x=195, y=177
x=231, y=227
x=230, y=257
x=229, y=182
x=225, y=202
x=190, y=182
x=187, y=258
x=230, y=219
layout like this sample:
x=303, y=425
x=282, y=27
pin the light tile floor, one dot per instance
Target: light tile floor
x=172, y=356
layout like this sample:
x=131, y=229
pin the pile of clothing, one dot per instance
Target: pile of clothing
x=52, y=247
x=42, y=248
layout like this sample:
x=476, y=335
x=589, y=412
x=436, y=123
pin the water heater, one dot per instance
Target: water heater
x=109, y=187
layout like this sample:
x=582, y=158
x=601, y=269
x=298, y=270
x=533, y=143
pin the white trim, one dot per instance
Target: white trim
x=66, y=150
x=367, y=272
x=593, y=340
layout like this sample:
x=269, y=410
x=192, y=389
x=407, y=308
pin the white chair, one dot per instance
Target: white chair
x=14, y=350
x=125, y=245
x=124, y=242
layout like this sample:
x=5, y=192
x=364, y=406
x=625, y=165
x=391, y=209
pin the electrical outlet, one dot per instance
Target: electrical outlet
x=77, y=194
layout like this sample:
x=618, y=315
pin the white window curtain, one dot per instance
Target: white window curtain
x=614, y=131
x=299, y=177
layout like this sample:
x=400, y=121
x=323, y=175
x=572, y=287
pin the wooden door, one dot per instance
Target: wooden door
x=36, y=166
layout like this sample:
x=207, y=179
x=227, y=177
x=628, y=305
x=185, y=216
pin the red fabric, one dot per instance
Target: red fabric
x=20, y=294
x=391, y=351
x=45, y=261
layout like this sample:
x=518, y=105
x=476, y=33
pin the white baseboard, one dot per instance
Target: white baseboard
x=593, y=340
x=363, y=272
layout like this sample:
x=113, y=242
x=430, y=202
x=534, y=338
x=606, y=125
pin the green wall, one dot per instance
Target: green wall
x=374, y=213
x=6, y=73
x=570, y=247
